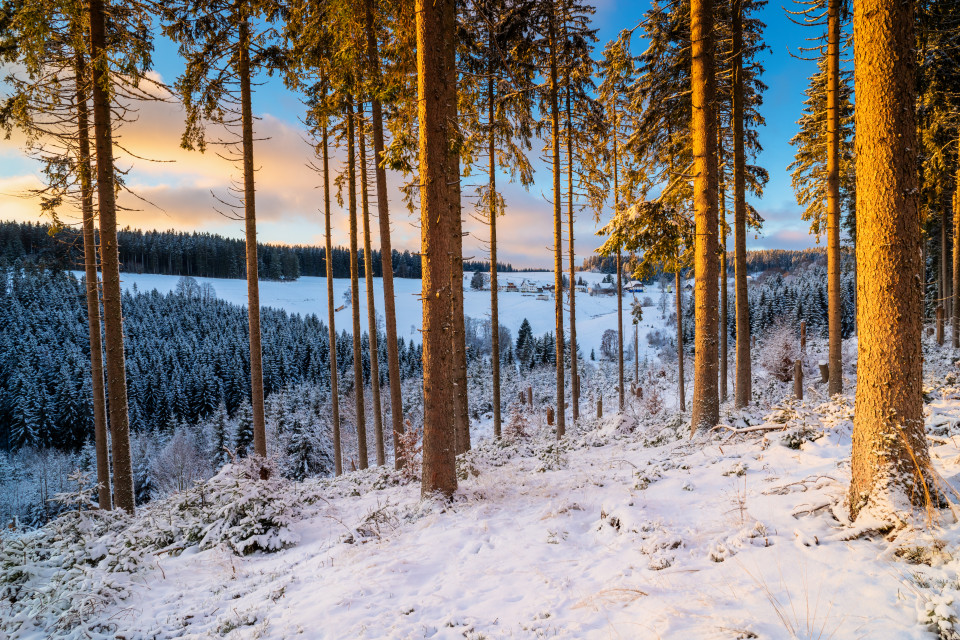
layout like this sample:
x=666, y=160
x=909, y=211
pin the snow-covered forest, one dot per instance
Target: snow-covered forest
x=479, y=319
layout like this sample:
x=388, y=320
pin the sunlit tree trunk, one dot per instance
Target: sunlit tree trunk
x=461, y=414
x=355, y=291
x=494, y=286
x=92, y=289
x=722, y=230
x=386, y=245
x=679, y=296
x=328, y=259
x=557, y=217
x=743, y=385
x=619, y=260
x=706, y=405
x=834, y=301
x=890, y=454
x=250, y=218
x=371, y=301
x=123, y=496
x=574, y=376
x=436, y=28
x=955, y=320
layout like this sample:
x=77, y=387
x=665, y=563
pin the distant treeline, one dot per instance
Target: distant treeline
x=757, y=261
x=202, y=255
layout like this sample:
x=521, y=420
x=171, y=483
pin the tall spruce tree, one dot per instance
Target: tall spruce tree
x=497, y=59
x=225, y=44
x=827, y=122
x=616, y=75
x=48, y=100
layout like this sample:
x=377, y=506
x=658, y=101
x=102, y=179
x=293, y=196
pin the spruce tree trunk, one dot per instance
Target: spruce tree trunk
x=123, y=496
x=557, y=217
x=436, y=27
x=371, y=302
x=250, y=217
x=355, y=291
x=92, y=289
x=616, y=209
x=706, y=405
x=941, y=270
x=679, y=295
x=574, y=377
x=743, y=385
x=955, y=320
x=461, y=413
x=834, y=300
x=334, y=384
x=494, y=287
x=386, y=245
x=620, y=378
x=889, y=444
x=722, y=230
x=945, y=271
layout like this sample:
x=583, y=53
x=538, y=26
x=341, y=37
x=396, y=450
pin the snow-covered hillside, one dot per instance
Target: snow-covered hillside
x=626, y=529
x=595, y=314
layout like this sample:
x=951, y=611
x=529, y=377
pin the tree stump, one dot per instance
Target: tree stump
x=803, y=336
x=940, y=325
x=550, y=416
x=523, y=398
x=639, y=393
x=824, y=372
x=530, y=396
x=600, y=406
x=798, y=379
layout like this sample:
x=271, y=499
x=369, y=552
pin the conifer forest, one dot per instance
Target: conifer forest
x=479, y=319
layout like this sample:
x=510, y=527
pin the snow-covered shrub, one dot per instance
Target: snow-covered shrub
x=518, y=426
x=50, y=578
x=240, y=508
x=410, y=452
x=178, y=465
x=779, y=351
x=938, y=616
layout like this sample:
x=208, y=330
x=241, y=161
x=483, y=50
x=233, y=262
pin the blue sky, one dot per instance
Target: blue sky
x=288, y=200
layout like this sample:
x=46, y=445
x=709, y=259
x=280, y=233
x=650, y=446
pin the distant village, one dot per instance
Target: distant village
x=480, y=281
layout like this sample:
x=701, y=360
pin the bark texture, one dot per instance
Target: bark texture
x=889, y=447
x=955, y=275
x=743, y=385
x=494, y=286
x=706, y=405
x=386, y=245
x=436, y=25
x=722, y=230
x=834, y=358
x=371, y=301
x=359, y=405
x=334, y=383
x=123, y=496
x=250, y=218
x=574, y=376
x=679, y=295
x=92, y=289
x=557, y=217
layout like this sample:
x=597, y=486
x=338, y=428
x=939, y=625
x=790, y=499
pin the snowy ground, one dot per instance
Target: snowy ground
x=628, y=530
x=595, y=314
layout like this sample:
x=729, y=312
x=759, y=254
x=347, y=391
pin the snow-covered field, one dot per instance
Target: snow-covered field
x=595, y=314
